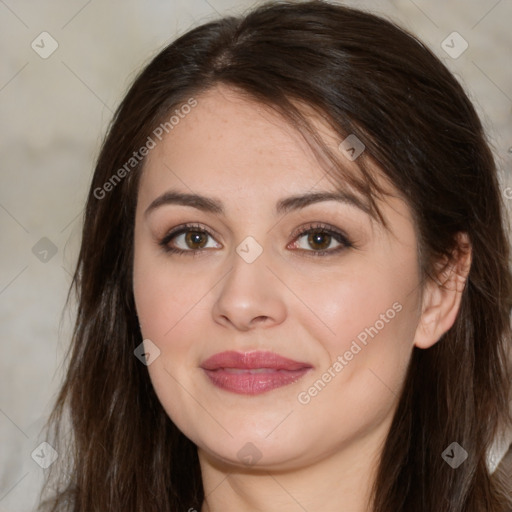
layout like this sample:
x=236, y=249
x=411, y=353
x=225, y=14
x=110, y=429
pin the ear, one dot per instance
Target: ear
x=442, y=296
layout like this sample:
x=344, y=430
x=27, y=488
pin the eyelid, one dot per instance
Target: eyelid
x=344, y=241
x=317, y=226
x=183, y=228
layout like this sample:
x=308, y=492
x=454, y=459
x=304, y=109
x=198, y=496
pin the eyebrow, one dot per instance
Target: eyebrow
x=285, y=205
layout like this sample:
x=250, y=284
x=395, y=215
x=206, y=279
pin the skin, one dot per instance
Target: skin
x=316, y=456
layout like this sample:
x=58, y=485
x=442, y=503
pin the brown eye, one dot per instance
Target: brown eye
x=188, y=239
x=196, y=237
x=319, y=240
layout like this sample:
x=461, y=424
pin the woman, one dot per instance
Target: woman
x=293, y=285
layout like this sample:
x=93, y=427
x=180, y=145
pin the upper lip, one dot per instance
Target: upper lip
x=252, y=360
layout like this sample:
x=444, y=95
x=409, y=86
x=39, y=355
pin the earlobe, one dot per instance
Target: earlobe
x=442, y=296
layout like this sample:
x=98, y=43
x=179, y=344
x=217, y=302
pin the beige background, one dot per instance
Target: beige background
x=53, y=115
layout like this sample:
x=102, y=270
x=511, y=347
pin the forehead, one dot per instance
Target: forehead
x=239, y=150
x=229, y=138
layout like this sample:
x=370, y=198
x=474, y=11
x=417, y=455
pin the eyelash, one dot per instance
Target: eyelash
x=318, y=228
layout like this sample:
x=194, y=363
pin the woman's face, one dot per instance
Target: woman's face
x=347, y=316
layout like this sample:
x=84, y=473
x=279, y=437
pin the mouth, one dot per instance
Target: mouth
x=252, y=373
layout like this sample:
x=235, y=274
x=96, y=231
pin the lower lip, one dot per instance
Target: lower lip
x=245, y=383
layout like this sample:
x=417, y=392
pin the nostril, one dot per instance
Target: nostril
x=261, y=318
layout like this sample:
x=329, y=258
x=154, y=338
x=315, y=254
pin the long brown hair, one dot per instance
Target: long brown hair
x=365, y=76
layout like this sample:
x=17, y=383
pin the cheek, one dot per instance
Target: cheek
x=365, y=322
x=366, y=358
x=168, y=307
x=171, y=313
x=163, y=296
x=359, y=305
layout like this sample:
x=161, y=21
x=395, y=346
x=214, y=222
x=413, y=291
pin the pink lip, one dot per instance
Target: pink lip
x=251, y=373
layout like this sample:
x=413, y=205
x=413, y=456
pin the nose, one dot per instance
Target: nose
x=250, y=296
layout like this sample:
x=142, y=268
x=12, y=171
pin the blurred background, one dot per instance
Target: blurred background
x=65, y=67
